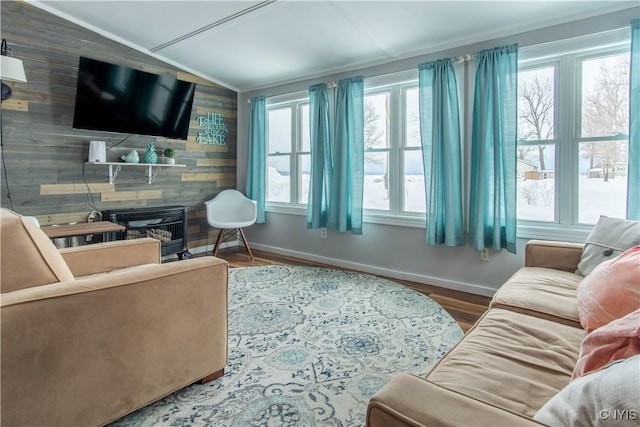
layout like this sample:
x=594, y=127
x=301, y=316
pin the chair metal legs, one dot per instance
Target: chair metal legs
x=232, y=233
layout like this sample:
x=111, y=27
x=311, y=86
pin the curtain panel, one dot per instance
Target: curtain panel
x=345, y=202
x=492, y=206
x=257, y=156
x=441, y=153
x=320, y=140
x=633, y=176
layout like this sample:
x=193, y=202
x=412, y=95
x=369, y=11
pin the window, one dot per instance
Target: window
x=573, y=133
x=604, y=139
x=413, y=172
x=288, y=152
x=394, y=178
x=536, y=143
x=377, y=151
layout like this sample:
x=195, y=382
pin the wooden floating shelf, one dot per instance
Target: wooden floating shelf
x=151, y=172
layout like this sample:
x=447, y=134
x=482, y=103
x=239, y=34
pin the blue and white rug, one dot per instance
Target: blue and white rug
x=309, y=347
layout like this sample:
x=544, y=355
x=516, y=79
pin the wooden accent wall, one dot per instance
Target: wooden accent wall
x=45, y=157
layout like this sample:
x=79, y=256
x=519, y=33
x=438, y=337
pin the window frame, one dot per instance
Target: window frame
x=397, y=86
x=558, y=132
x=396, y=81
x=569, y=55
x=295, y=103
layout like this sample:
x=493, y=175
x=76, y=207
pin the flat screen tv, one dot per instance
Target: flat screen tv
x=114, y=98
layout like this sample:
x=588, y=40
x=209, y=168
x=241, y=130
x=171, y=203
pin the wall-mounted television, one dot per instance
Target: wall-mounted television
x=115, y=98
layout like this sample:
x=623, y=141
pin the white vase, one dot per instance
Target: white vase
x=170, y=161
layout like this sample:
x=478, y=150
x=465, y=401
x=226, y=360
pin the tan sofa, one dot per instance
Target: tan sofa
x=92, y=333
x=519, y=355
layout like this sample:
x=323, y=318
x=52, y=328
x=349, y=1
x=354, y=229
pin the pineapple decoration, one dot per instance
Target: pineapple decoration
x=150, y=155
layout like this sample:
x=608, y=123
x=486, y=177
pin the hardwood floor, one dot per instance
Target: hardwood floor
x=465, y=308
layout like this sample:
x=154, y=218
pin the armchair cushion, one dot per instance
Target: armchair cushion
x=110, y=256
x=25, y=245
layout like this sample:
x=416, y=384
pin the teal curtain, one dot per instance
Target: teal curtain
x=492, y=205
x=257, y=156
x=633, y=176
x=441, y=153
x=345, y=202
x=320, y=140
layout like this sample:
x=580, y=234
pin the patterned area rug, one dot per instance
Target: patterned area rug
x=309, y=347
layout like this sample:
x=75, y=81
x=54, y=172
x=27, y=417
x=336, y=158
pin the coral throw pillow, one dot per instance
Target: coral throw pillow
x=610, y=291
x=618, y=340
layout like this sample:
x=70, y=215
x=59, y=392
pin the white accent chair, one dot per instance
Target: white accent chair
x=229, y=211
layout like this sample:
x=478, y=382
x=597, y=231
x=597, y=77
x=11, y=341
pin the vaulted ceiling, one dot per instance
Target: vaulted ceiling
x=252, y=44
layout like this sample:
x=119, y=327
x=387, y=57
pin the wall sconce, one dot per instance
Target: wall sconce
x=11, y=69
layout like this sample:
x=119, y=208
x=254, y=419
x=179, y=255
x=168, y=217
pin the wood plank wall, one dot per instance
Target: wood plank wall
x=45, y=157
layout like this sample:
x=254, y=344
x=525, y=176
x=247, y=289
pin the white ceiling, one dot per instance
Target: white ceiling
x=246, y=45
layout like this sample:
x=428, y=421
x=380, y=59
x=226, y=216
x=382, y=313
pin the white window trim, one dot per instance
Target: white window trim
x=294, y=102
x=368, y=216
x=566, y=55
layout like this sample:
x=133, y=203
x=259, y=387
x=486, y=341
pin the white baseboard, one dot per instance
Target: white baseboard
x=366, y=268
x=206, y=249
x=386, y=272
x=209, y=248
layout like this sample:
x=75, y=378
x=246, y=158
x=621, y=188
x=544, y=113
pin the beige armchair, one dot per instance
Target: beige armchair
x=92, y=333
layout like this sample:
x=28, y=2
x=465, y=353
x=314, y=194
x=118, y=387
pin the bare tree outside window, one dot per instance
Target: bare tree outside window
x=376, y=146
x=602, y=116
x=605, y=112
x=536, y=162
x=373, y=131
x=535, y=111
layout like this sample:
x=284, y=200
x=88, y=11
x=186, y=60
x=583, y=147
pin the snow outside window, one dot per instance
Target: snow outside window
x=573, y=136
x=288, y=153
x=393, y=180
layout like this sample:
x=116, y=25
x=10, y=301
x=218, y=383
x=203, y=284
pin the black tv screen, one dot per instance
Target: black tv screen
x=114, y=98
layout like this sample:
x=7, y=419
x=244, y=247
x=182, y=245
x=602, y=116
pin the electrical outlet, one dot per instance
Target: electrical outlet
x=323, y=233
x=484, y=255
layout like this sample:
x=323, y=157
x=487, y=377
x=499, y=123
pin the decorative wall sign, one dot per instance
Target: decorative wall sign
x=215, y=129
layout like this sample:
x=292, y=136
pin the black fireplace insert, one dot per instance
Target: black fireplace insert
x=166, y=223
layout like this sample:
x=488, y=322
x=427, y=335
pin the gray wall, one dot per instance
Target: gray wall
x=396, y=251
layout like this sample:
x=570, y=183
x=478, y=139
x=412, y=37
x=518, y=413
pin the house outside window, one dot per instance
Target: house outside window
x=573, y=123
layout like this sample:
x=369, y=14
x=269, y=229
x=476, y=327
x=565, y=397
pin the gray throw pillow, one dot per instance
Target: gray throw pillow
x=608, y=239
x=606, y=398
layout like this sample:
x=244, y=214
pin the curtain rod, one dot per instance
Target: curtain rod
x=462, y=58
x=330, y=85
x=459, y=59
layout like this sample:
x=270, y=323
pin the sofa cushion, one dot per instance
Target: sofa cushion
x=610, y=291
x=541, y=292
x=511, y=360
x=607, y=398
x=29, y=258
x=617, y=340
x=608, y=239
